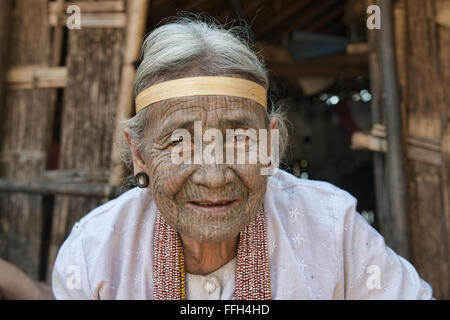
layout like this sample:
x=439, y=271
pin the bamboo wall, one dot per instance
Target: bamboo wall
x=78, y=81
x=423, y=54
x=26, y=120
x=94, y=62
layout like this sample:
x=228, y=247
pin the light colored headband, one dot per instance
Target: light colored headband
x=202, y=86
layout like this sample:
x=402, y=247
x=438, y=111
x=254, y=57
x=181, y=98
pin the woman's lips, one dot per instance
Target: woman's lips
x=212, y=206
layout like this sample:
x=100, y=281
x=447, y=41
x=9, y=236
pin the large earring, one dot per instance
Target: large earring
x=141, y=180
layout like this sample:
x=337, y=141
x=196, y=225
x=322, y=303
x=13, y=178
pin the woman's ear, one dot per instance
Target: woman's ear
x=138, y=162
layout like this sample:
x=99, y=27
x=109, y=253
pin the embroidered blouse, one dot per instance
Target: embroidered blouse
x=319, y=246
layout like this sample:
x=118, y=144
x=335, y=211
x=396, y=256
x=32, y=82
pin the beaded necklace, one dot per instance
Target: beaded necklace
x=252, y=269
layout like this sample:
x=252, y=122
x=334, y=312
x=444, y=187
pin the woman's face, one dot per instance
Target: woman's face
x=206, y=202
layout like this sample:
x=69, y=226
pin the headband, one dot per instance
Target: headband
x=202, y=86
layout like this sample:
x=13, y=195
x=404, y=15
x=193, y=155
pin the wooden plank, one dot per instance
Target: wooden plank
x=6, y=10
x=306, y=16
x=402, y=53
x=325, y=18
x=6, y=17
x=428, y=232
x=137, y=17
x=267, y=26
x=445, y=174
x=87, y=6
x=423, y=96
x=444, y=59
x=98, y=175
x=94, y=62
x=35, y=77
x=382, y=213
x=365, y=141
x=424, y=156
x=443, y=13
x=95, y=20
x=26, y=119
x=358, y=48
x=424, y=50
x=102, y=191
x=416, y=149
x=339, y=65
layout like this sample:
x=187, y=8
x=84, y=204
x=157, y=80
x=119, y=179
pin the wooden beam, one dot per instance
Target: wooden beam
x=418, y=149
x=443, y=13
x=103, y=191
x=100, y=175
x=335, y=28
x=267, y=26
x=303, y=19
x=274, y=53
x=87, y=6
x=94, y=14
x=341, y=65
x=137, y=18
x=6, y=17
x=332, y=13
x=95, y=20
x=359, y=48
x=361, y=140
x=36, y=77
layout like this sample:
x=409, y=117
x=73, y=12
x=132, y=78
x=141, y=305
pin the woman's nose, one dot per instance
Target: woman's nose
x=212, y=175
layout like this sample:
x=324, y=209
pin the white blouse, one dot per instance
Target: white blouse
x=319, y=248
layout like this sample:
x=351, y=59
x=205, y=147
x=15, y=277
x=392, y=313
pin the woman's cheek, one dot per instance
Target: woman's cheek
x=251, y=176
x=170, y=178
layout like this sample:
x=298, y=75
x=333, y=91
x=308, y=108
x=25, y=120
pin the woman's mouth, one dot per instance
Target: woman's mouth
x=212, y=206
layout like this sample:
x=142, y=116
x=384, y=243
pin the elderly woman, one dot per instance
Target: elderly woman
x=205, y=227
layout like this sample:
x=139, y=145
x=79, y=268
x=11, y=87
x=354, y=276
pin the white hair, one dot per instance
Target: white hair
x=177, y=48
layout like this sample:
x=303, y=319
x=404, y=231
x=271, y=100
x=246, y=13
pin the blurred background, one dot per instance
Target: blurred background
x=365, y=88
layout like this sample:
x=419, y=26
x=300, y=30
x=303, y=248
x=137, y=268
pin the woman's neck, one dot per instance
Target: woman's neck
x=202, y=258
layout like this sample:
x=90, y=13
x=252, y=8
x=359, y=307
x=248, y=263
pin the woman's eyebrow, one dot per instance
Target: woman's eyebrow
x=237, y=123
x=186, y=121
x=171, y=125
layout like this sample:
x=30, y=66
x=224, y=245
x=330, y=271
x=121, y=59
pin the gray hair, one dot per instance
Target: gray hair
x=173, y=50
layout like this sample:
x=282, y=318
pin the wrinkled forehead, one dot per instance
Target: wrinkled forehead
x=213, y=111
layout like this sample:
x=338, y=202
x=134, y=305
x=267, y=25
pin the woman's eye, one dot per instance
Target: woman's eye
x=174, y=143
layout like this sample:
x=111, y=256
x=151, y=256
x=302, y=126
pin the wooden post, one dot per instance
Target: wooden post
x=382, y=208
x=94, y=62
x=103, y=191
x=26, y=118
x=424, y=75
x=137, y=17
x=6, y=10
x=395, y=158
